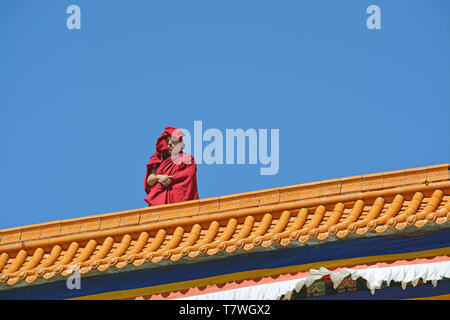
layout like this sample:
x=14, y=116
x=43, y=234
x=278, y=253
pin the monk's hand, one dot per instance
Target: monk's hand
x=168, y=181
x=165, y=180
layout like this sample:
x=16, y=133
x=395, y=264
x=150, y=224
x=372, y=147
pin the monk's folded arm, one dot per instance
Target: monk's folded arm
x=152, y=178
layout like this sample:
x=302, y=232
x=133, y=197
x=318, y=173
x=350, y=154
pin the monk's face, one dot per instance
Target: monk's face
x=171, y=143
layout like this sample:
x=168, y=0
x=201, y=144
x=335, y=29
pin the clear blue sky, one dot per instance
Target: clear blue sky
x=80, y=110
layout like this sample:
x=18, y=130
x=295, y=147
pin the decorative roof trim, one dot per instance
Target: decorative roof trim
x=241, y=204
x=289, y=216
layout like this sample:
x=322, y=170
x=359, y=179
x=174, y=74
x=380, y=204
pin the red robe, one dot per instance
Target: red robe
x=181, y=168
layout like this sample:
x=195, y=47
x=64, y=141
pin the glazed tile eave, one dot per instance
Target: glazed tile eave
x=410, y=230
x=311, y=213
x=326, y=188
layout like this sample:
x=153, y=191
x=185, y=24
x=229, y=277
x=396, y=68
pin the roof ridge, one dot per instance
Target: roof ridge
x=253, y=199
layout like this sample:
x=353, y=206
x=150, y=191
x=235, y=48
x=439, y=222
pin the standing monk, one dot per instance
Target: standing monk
x=171, y=174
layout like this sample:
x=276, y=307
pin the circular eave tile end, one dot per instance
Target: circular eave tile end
x=4, y=277
x=148, y=257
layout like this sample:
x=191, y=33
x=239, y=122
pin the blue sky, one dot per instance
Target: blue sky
x=80, y=110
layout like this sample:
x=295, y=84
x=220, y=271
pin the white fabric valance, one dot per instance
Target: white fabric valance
x=374, y=276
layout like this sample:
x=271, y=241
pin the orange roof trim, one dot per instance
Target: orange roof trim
x=387, y=202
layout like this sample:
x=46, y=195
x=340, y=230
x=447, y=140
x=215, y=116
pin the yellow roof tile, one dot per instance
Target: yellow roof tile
x=311, y=211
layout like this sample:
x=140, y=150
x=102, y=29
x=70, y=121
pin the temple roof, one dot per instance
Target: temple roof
x=387, y=203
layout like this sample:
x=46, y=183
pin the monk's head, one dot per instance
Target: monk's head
x=173, y=144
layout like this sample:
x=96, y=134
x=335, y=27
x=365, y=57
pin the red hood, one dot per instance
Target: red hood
x=161, y=143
